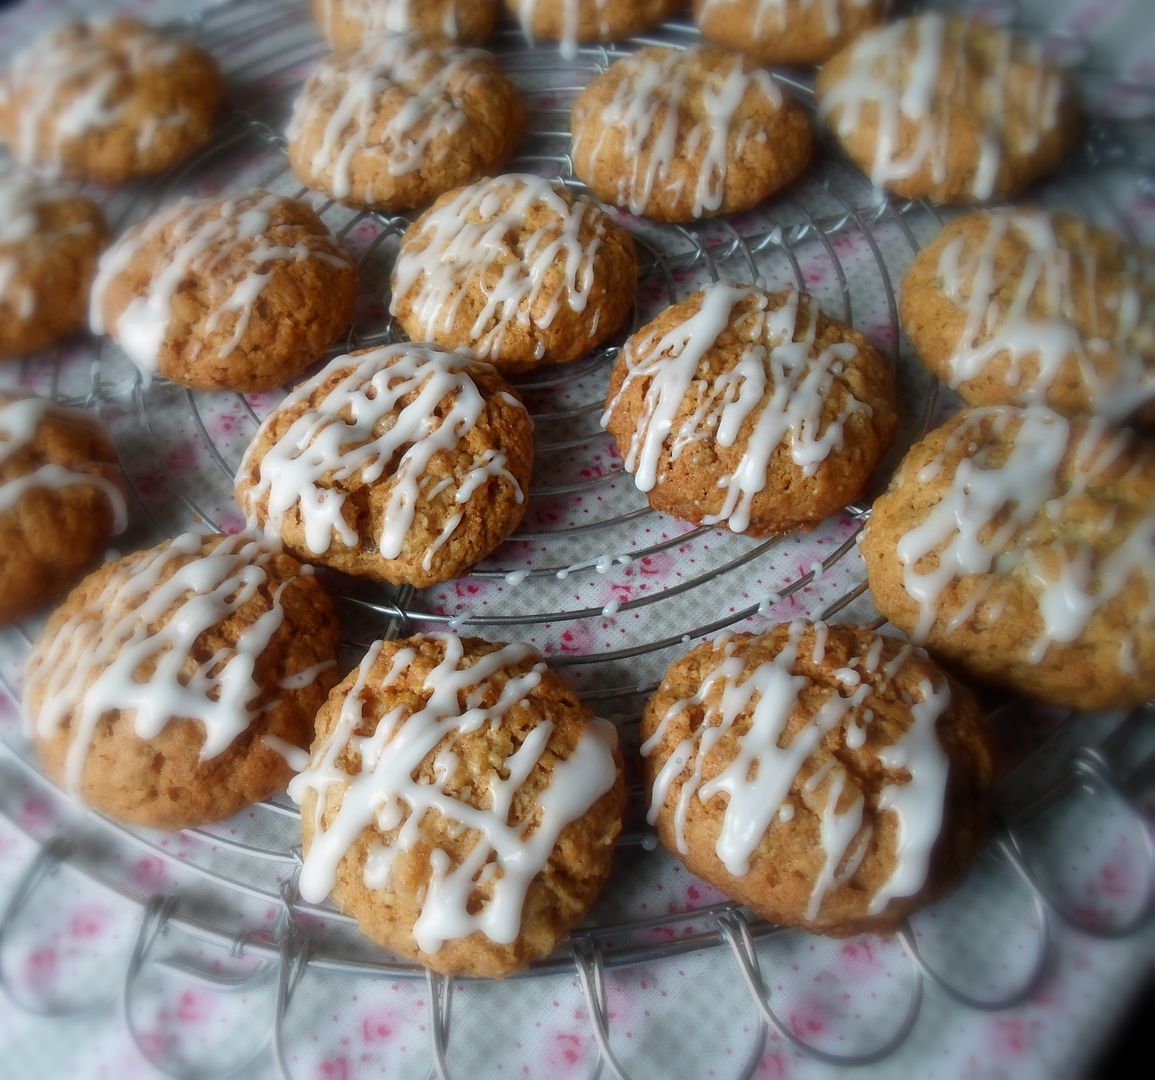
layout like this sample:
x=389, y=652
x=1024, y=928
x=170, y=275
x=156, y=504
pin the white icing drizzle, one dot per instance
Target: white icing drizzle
x=225, y=243
x=649, y=108
x=903, y=86
x=362, y=428
x=997, y=515
x=345, y=93
x=389, y=16
x=76, y=57
x=1001, y=308
x=109, y=656
x=571, y=12
x=779, y=383
x=384, y=792
x=773, y=16
x=463, y=240
x=764, y=780
x=19, y=419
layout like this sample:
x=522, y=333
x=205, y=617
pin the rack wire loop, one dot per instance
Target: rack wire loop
x=587, y=957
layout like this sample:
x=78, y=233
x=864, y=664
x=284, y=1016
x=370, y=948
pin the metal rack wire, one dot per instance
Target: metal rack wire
x=831, y=234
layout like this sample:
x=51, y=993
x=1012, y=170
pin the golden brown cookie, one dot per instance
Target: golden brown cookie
x=680, y=134
x=108, y=100
x=393, y=124
x=516, y=269
x=351, y=22
x=61, y=499
x=50, y=239
x=825, y=776
x=1020, y=307
x=460, y=802
x=234, y=293
x=403, y=463
x=786, y=31
x=941, y=107
x=573, y=21
x=170, y=686
x=749, y=409
x=1020, y=545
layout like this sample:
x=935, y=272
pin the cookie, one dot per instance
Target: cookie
x=940, y=107
x=460, y=802
x=1020, y=546
x=518, y=270
x=348, y=23
x=786, y=31
x=403, y=463
x=680, y=134
x=824, y=776
x=572, y=21
x=50, y=239
x=236, y=293
x=108, y=100
x=61, y=499
x=394, y=123
x=749, y=409
x=1022, y=307
x=169, y=688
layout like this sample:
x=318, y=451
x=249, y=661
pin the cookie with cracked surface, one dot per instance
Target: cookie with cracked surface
x=786, y=31
x=460, y=802
x=396, y=122
x=516, y=269
x=50, y=239
x=1022, y=307
x=1020, y=546
x=940, y=107
x=348, y=23
x=108, y=100
x=170, y=687
x=571, y=22
x=751, y=410
x=61, y=499
x=234, y=293
x=825, y=776
x=681, y=134
x=404, y=463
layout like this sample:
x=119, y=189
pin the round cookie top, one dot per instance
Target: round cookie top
x=786, y=31
x=350, y=22
x=61, y=498
x=50, y=239
x=1020, y=545
x=680, y=134
x=1023, y=307
x=825, y=776
x=170, y=686
x=750, y=409
x=401, y=119
x=517, y=269
x=108, y=100
x=403, y=463
x=942, y=107
x=460, y=802
x=572, y=21
x=235, y=293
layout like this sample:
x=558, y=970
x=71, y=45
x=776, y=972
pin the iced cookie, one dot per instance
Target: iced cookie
x=350, y=22
x=944, y=108
x=460, y=802
x=516, y=269
x=572, y=21
x=108, y=100
x=403, y=463
x=1020, y=546
x=234, y=293
x=171, y=685
x=680, y=134
x=825, y=776
x=750, y=410
x=401, y=119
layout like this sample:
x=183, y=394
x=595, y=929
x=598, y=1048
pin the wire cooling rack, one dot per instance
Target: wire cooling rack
x=611, y=592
